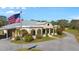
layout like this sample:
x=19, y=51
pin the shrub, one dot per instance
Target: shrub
x=17, y=38
x=47, y=35
x=24, y=32
x=59, y=31
x=28, y=38
x=38, y=36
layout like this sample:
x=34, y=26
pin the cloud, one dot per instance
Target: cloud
x=11, y=11
x=74, y=17
x=77, y=17
x=3, y=7
x=23, y=7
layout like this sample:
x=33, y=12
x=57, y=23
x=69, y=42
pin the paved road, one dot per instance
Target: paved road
x=68, y=43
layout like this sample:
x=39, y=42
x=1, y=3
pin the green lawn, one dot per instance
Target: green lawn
x=39, y=40
x=60, y=36
x=25, y=49
x=34, y=41
x=75, y=32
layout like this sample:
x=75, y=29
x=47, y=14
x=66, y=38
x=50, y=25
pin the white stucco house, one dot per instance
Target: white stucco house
x=45, y=28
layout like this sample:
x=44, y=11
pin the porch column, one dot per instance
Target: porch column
x=41, y=31
x=19, y=33
x=36, y=31
x=13, y=34
x=53, y=31
x=49, y=31
x=45, y=31
x=6, y=33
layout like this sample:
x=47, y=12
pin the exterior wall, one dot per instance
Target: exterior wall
x=48, y=25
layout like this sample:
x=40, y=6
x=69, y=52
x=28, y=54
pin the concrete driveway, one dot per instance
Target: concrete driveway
x=68, y=43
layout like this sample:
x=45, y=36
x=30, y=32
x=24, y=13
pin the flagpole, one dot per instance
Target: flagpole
x=21, y=24
x=20, y=18
x=21, y=28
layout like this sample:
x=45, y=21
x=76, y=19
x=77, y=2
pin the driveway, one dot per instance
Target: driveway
x=68, y=43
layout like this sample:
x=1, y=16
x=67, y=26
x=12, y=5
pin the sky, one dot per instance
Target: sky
x=43, y=13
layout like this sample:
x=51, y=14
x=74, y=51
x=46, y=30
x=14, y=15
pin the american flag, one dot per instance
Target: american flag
x=18, y=20
x=12, y=19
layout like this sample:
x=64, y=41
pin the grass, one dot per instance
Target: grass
x=60, y=36
x=34, y=41
x=75, y=32
x=25, y=49
x=39, y=40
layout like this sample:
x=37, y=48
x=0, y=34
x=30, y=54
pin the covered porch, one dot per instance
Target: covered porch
x=12, y=33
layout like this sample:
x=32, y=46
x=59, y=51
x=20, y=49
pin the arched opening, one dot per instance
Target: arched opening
x=33, y=32
x=43, y=31
x=11, y=32
x=47, y=31
x=39, y=31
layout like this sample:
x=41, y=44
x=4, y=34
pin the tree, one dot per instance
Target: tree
x=53, y=22
x=74, y=24
x=63, y=23
x=3, y=21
